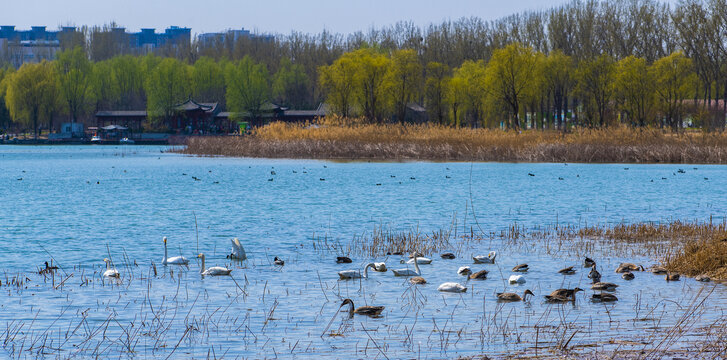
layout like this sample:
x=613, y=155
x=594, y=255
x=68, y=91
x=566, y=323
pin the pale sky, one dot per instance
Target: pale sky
x=266, y=16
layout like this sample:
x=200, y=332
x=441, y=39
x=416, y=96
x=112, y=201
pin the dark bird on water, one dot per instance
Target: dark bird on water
x=531, y=174
x=448, y=256
x=343, y=260
x=278, y=262
x=363, y=310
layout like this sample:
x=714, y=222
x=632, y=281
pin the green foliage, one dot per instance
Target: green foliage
x=208, y=81
x=371, y=69
x=248, y=89
x=104, y=85
x=510, y=75
x=404, y=80
x=166, y=86
x=74, y=75
x=32, y=94
x=633, y=86
x=595, y=87
x=456, y=94
x=128, y=76
x=291, y=85
x=437, y=81
x=338, y=82
x=557, y=78
x=674, y=81
x=471, y=90
x=5, y=119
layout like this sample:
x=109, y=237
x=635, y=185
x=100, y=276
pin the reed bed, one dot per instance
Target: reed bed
x=347, y=139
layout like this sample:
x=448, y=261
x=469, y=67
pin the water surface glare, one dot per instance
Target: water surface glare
x=81, y=204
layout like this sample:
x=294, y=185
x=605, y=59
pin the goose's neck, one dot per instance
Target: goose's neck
x=201, y=270
x=350, y=309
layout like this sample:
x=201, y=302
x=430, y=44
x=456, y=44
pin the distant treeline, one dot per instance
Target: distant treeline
x=639, y=62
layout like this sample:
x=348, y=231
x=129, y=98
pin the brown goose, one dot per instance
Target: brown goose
x=604, y=286
x=480, y=275
x=448, y=256
x=363, y=310
x=628, y=275
x=567, y=271
x=520, y=268
x=418, y=280
x=343, y=260
x=624, y=267
x=559, y=299
x=594, y=275
x=588, y=262
x=514, y=296
x=565, y=292
x=658, y=270
x=604, y=297
x=672, y=277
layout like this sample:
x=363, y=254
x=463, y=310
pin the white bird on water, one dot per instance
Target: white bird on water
x=489, y=259
x=380, y=266
x=516, y=279
x=175, y=260
x=464, y=270
x=420, y=260
x=213, y=271
x=452, y=287
x=237, y=252
x=356, y=274
x=109, y=271
x=409, y=272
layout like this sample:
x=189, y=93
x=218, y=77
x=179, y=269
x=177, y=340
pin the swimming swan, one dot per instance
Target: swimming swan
x=175, y=260
x=355, y=274
x=516, y=279
x=489, y=259
x=109, y=271
x=452, y=287
x=213, y=271
x=409, y=272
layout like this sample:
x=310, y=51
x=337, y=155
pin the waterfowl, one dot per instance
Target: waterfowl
x=559, y=299
x=565, y=292
x=489, y=259
x=409, y=272
x=343, y=260
x=452, y=287
x=624, y=267
x=567, y=271
x=521, y=268
x=672, y=277
x=417, y=280
x=514, y=296
x=213, y=271
x=448, y=256
x=355, y=274
x=380, y=267
x=658, y=270
x=516, y=279
x=175, y=260
x=420, y=260
x=604, y=297
x=112, y=273
x=588, y=262
x=594, y=275
x=480, y=275
x=464, y=270
x=237, y=252
x=47, y=269
x=363, y=310
x=627, y=276
x=604, y=286
x=702, y=278
x=278, y=262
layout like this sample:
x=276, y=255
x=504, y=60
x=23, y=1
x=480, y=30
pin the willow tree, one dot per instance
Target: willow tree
x=595, y=86
x=674, y=81
x=510, y=73
x=371, y=70
x=558, y=81
x=338, y=82
x=404, y=80
x=248, y=88
x=208, y=80
x=437, y=80
x=471, y=89
x=32, y=94
x=128, y=76
x=74, y=76
x=166, y=86
x=291, y=85
x=634, y=87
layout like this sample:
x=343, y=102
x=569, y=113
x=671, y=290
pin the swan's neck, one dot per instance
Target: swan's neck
x=366, y=271
x=165, y=252
x=416, y=266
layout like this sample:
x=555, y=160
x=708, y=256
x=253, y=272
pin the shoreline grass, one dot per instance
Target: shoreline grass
x=338, y=139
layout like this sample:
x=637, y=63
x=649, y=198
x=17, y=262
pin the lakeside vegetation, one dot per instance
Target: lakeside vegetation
x=586, y=64
x=330, y=139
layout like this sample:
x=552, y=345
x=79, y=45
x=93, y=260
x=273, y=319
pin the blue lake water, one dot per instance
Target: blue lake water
x=81, y=204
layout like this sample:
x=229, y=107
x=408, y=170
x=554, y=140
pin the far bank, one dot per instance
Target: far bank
x=439, y=143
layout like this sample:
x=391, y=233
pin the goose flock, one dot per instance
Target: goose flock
x=602, y=290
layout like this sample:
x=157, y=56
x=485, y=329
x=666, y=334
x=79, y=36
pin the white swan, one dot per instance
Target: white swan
x=489, y=259
x=516, y=279
x=464, y=270
x=380, y=267
x=213, y=271
x=420, y=260
x=237, y=252
x=452, y=287
x=175, y=260
x=356, y=274
x=409, y=272
x=109, y=271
